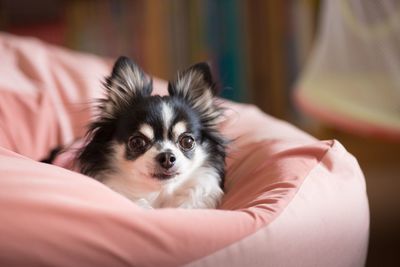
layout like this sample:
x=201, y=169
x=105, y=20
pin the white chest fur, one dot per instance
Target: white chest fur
x=199, y=190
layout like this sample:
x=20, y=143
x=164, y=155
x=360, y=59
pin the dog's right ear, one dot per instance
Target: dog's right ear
x=126, y=83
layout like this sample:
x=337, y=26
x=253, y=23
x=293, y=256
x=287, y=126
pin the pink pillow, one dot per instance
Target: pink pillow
x=290, y=199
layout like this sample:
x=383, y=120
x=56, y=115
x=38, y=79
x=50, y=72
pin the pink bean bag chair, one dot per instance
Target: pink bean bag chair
x=291, y=200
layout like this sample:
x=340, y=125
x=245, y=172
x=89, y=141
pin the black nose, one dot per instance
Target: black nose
x=166, y=159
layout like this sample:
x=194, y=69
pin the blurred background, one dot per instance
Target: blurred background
x=329, y=67
x=256, y=47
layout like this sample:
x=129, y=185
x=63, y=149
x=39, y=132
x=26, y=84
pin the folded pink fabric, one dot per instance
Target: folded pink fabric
x=289, y=199
x=48, y=89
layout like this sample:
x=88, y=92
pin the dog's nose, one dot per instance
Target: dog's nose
x=166, y=159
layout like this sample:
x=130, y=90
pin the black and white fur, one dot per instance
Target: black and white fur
x=158, y=151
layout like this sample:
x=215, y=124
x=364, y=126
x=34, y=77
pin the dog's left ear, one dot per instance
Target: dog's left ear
x=126, y=83
x=195, y=85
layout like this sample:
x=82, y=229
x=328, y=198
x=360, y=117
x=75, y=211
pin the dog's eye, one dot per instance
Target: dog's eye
x=186, y=142
x=137, y=143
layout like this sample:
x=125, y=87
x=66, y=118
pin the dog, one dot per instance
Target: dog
x=158, y=151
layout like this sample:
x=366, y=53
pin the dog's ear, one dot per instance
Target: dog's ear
x=126, y=83
x=196, y=86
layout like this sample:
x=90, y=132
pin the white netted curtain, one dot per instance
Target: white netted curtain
x=352, y=78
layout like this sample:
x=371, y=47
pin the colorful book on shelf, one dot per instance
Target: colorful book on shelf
x=225, y=31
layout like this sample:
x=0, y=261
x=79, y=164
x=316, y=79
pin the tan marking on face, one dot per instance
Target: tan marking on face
x=178, y=129
x=147, y=131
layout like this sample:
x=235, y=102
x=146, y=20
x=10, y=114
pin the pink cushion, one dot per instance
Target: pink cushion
x=289, y=199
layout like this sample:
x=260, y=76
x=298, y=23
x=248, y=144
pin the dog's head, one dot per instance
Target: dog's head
x=154, y=139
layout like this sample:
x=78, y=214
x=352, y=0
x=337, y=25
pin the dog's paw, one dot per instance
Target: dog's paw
x=143, y=203
x=192, y=198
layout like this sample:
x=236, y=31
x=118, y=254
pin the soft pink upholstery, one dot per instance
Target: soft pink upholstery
x=290, y=200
